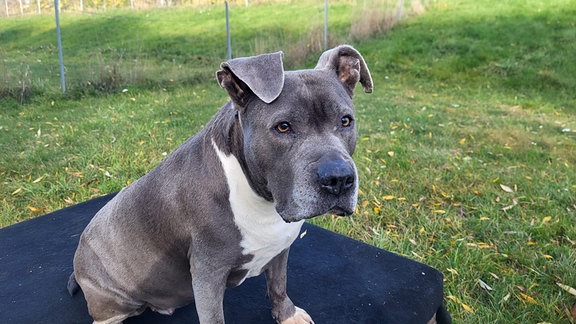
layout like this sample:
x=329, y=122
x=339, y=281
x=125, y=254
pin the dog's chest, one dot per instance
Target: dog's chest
x=264, y=233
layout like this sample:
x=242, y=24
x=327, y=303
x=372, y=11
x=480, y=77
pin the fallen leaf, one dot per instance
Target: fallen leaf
x=439, y=211
x=573, y=311
x=466, y=307
x=38, y=179
x=304, y=233
x=388, y=197
x=34, y=209
x=514, y=203
x=569, y=289
x=484, y=285
x=17, y=191
x=506, y=188
x=528, y=299
x=391, y=153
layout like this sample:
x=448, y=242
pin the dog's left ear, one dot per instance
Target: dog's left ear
x=349, y=66
x=261, y=75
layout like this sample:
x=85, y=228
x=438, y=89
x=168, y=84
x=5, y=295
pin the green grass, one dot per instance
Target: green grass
x=467, y=148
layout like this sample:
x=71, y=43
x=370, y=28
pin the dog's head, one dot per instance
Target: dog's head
x=299, y=130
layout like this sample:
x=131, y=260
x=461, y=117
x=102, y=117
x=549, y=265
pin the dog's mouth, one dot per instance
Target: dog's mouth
x=335, y=210
x=340, y=211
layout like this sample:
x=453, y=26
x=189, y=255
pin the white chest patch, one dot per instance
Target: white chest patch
x=264, y=233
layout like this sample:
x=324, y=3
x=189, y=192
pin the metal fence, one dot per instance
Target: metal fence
x=13, y=8
x=107, y=67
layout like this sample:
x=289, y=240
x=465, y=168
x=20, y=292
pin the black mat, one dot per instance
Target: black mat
x=336, y=279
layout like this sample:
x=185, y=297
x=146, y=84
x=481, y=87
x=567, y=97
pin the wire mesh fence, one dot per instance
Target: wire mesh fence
x=13, y=8
x=148, y=48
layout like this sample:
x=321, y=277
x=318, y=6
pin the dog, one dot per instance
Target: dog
x=228, y=203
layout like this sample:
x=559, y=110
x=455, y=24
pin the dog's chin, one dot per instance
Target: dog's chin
x=335, y=210
x=340, y=211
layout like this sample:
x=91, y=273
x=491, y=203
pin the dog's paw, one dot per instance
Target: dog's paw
x=299, y=317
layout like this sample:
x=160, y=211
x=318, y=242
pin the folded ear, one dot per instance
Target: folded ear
x=348, y=65
x=261, y=75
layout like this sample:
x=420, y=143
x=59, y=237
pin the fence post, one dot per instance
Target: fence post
x=60, y=56
x=228, y=42
x=325, y=24
x=400, y=7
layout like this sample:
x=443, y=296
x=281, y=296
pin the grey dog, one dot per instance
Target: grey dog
x=228, y=203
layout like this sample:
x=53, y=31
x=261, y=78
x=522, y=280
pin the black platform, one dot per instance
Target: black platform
x=336, y=279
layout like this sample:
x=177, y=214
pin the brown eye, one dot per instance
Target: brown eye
x=283, y=127
x=346, y=121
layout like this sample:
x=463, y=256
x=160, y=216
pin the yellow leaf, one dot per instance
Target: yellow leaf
x=547, y=256
x=506, y=188
x=34, y=209
x=527, y=298
x=467, y=308
x=17, y=191
x=463, y=141
x=546, y=219
x=388, y=197
x=391, y=153
x=377, y=210
x=422, y=230
x=38, y=180
x=484, y=218
x=439, y=211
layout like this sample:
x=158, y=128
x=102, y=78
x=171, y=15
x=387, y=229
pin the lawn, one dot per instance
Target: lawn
x=466, y=152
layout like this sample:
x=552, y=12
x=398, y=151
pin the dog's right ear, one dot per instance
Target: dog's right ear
x=349, y=66
x=261, y=75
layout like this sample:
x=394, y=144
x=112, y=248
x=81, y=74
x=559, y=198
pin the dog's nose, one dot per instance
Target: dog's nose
x=336, y=176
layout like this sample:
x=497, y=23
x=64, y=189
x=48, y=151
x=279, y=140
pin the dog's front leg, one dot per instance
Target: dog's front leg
x=209, y=287
x=283, y=310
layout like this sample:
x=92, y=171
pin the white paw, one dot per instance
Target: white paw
x=299, y=317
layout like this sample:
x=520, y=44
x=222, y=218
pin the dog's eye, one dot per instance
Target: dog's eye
x=346, y=121
x=283, y=127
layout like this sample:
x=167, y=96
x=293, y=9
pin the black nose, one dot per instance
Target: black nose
x=336, y=176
